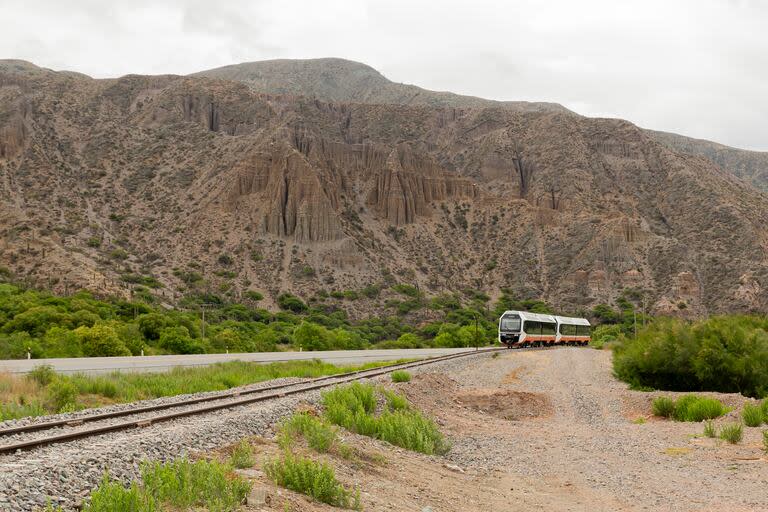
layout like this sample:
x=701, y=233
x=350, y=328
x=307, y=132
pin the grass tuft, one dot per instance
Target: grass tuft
x=752, y=415
x=242, y=455
x=732, y=432
x=184, y=484
x=110, y=496
x=663, y=406
x=401, y=376
x=313, y=478
x=319, y=434
x=353, y=407
x=688, y=408
x=709, y=429
x=765, y=440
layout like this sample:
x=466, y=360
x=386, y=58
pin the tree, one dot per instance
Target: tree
x=291, y=303
x=177, y=340
x=151, y=325
x=311, y=336
x=101, y=341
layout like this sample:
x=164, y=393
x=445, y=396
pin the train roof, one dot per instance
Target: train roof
x=571, y=320
x=535, y=317
x=538, y=317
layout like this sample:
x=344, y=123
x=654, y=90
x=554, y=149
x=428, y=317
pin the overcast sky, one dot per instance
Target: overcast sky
x=695, y=67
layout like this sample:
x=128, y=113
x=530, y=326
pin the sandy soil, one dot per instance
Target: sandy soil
x=545, y=430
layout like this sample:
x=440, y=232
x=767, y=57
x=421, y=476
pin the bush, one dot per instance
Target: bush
x=320, y=436
x=176, y=340
x=694, y=408
x=401, y=376
x=752, y=415
x=111, y=496
x=186, y=485
x=43, y=374
x=764, y=409
x=733, y=432
x=765, y=440
x=101, y=341
x=315, y=479
x=727, y=354
x=291, y=303
x=61, y=395
x=242, y=455
x=353, y=406
x=709, y=429
x=663, y=406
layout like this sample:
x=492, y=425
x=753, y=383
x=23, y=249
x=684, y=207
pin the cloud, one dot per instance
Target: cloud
x=696, y=67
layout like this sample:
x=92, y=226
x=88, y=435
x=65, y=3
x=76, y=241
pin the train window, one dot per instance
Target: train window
x=532, y=327
x=567, y=330
x=548, y=328
x=510, y=323
x=583, y=330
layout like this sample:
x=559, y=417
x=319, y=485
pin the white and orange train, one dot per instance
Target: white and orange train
x=522, y=329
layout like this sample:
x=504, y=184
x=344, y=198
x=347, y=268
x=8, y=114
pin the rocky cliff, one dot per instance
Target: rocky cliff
x=207, y=184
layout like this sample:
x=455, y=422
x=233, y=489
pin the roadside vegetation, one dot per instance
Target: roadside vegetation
x=178, y=485
x=688, y=408
x=401, y=376
x=44, y=392
x=725, y=353
x=354, y=407
x=46, y=326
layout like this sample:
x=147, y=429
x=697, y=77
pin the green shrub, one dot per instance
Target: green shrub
x=353, y=407
x=61, y=395
x=111, y=496
x=43, y=374
x=320, y=436
x=184, y=484
x=663, y=406
x=752, y=415
x=765, y=440
x=101, y=340
x=733, y=432
x=395, y=402
x=401, y=376
x=242, y=455
x=695, y=408
x=709, y=429
x=315, y=479
x=727, y=354
x=764, y=409
x=291, y=303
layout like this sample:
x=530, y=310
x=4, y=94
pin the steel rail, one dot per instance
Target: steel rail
x=318, y=383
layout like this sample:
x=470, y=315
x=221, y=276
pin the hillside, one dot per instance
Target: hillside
x=346, y=81
x=196, y=184
x=341, y=80
x=751, y=166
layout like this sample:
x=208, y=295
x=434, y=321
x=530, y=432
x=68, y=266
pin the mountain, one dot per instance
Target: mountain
x=748, y=165
x=198, y=184
x=345, y=81
x=342, y=80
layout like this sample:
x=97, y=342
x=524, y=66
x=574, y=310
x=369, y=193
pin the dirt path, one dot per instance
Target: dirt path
x=551, y=430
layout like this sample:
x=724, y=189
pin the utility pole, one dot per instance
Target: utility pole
x=202, y=310
x=635, y=315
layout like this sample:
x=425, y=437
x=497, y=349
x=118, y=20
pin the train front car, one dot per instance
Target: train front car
x=523, y=329
x=510, y=328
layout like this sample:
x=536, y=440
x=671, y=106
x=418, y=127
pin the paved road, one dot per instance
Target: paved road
x=161, y=363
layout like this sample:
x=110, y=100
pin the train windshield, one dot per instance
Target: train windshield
x=510, y=323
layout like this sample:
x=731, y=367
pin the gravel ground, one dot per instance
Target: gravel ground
x=66, y=473
x=592, y=442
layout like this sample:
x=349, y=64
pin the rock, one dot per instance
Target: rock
x=257, y=496
x=453, y=467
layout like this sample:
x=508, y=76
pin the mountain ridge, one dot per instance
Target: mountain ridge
x=207, y=186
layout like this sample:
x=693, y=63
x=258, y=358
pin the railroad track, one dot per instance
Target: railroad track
x=232, y=399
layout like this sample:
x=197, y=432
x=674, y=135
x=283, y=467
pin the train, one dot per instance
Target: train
x=519, y=329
